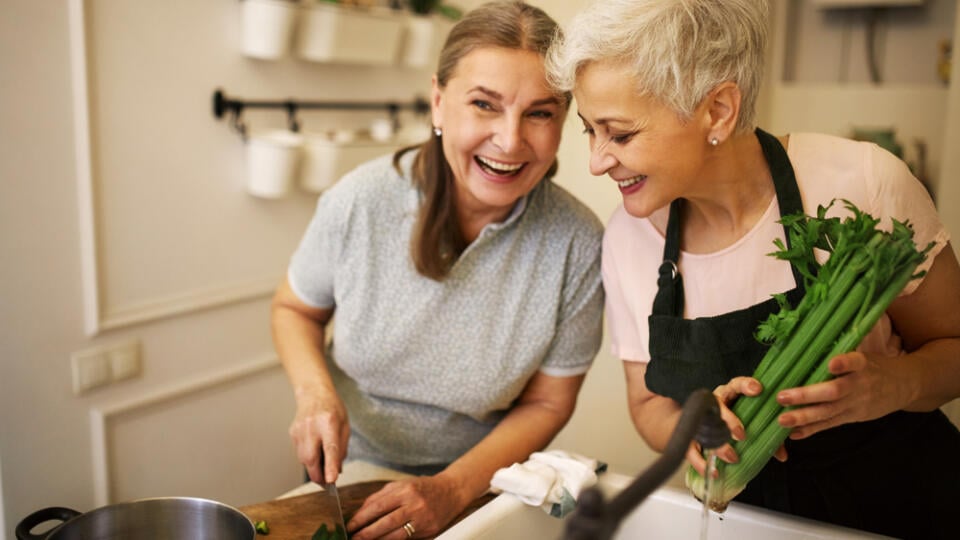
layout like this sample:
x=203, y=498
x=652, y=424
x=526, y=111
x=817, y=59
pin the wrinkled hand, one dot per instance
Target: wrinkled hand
x=428, y=502
x=865, y=388
x=320, y=432
x=727, y=394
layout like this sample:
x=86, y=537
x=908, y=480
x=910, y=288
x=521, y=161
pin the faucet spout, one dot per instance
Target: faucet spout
x=700, y=419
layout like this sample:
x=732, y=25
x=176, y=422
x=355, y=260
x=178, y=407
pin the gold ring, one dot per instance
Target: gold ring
x=408, y=528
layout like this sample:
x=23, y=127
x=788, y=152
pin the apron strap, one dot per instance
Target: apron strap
x=785, y=184
x=669, y=299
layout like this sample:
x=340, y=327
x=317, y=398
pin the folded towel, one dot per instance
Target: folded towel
x=551, y=480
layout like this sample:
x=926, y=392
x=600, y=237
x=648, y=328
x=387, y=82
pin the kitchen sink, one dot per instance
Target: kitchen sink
x=669, y=513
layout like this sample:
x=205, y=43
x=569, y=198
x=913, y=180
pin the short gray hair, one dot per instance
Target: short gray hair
x=677, y=50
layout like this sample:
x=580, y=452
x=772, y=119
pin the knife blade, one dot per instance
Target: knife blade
x=331, y=489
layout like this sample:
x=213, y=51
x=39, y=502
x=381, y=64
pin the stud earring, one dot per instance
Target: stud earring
x=714, y=141
x=437, y=131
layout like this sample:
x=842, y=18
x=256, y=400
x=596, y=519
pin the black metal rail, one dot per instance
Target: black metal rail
x=223, y=105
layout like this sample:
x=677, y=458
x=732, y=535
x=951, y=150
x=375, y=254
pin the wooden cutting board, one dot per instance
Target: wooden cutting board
x=297, y=518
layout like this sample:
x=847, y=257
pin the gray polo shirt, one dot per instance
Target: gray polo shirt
x=426, y=368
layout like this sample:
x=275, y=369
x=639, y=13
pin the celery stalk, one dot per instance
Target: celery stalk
x=841, y=306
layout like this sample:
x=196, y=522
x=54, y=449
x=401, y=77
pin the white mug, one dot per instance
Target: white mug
x=273, y=163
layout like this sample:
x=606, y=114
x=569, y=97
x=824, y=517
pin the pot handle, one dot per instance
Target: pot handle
x=53, y=513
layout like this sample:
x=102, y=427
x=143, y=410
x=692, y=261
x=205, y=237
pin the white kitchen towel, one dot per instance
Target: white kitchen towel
x=551, y=480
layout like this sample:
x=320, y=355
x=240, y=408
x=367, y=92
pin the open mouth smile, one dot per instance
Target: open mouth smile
x=631, y=181
x=499, y=168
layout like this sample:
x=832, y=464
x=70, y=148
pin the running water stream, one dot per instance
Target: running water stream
x=708, y=486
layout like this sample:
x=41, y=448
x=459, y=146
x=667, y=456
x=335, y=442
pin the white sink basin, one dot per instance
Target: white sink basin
x=669, y=513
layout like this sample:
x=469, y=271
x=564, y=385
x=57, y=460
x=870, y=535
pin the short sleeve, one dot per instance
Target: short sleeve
x=312, y=266
x=626, y=340
x=897, y=194
x=579, y=330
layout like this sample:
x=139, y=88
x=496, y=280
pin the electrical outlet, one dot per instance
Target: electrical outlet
x=125, y=361
x=105, y=364
x=91, y=369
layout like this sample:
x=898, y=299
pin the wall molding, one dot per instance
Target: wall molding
x=100, y=417
x=97, y=315
x=83, y=156
x=181, y=304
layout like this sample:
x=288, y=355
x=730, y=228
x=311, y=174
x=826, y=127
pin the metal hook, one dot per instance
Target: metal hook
x=292, y=122
x=237, y=122
x=394, y=110
x=421, y=106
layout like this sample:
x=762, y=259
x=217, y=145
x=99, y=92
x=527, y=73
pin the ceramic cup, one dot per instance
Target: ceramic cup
x=273, y=163
x=327, y=158
x=342, y=34
x=268, y=27
x=418, y=42
x=319, y=163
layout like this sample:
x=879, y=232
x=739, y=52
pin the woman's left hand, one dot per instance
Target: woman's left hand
x=427, y=503
x=864, y=388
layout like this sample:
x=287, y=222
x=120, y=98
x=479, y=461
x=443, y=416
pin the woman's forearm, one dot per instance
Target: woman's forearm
x=933, y=372
x=653, y=416
x=655, y=420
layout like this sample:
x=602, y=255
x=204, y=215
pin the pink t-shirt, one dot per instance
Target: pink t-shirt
x=742, y=274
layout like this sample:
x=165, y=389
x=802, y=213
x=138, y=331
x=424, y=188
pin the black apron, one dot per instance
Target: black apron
x=896, y=475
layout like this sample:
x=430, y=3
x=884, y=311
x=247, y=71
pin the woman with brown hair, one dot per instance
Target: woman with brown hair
x=466, y=287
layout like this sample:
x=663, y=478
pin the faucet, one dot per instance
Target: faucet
x=700, y=420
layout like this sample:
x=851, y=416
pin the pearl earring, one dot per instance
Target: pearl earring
x=437, y=131
x=714, y=141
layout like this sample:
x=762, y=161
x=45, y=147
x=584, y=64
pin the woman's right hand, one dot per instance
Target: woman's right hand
x=727, y=394
x=320, y=431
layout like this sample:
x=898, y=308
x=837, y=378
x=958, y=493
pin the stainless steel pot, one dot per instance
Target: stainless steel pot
x=166, y=518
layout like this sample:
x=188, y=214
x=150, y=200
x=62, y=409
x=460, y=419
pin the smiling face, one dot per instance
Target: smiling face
x=501, y=128
x=645, y=147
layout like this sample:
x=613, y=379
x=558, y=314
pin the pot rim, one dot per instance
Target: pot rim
x=63, y=514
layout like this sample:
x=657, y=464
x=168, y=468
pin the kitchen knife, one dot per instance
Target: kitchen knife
x=332, y=496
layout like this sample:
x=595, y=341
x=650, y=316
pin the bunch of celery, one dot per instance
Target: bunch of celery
x=865, y=271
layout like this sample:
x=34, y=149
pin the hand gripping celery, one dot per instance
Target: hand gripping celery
x=866, y=269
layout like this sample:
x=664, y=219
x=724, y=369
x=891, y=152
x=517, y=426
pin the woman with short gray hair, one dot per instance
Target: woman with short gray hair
x=667, y=90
